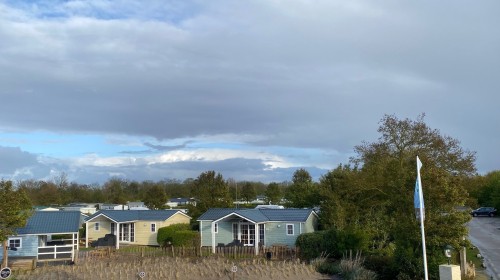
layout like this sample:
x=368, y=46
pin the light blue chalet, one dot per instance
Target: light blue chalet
x=251, y=227
x=35, y=239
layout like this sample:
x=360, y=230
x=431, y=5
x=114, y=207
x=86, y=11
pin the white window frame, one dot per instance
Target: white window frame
x=293, y=229
x=15, y=239
x=97, y=226
x=153, y=227
x=216, y=228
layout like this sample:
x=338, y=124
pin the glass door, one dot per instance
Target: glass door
x=248, y=234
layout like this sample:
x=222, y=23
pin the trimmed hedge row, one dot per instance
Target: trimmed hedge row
x=177, y=235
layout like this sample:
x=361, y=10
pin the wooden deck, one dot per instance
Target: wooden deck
x=22, y=263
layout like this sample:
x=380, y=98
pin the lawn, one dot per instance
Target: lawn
x=472, y=257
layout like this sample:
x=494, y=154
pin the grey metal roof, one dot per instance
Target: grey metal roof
x=259, y=215
x=287, y=215
x=42, y=222
x=253, y=215
x=180, y=199
x=135, y=215
x=215, y=213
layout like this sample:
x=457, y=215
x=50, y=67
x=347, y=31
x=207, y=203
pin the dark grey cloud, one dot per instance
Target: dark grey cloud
x=239, y=169
x=166, y=147
x=13, y=158
x=302, y=75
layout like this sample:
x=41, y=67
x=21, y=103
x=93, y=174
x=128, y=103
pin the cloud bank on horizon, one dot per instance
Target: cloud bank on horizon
x=147, y=90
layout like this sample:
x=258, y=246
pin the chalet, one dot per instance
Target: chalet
x=35, y=240
x=181, y=201
x=131, y=227
x=255, y=227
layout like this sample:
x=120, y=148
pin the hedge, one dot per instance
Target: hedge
x=177, y=235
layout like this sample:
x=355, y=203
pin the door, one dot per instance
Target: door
x=248, y=234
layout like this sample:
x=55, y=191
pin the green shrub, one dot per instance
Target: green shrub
x=166, y=234
x=347, y=240
x=330, y=268
x=311, y=245
x=185, y=238
x=380, y=265
x=331, y=242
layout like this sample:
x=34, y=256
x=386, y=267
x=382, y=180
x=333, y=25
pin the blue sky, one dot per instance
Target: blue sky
x=148, y=90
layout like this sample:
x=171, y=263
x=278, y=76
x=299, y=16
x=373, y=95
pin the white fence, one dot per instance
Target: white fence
x=56, y=252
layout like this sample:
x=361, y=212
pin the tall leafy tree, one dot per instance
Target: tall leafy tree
x=211, y=191
x=273, y=193
x=15, y=209
x=248, y=192
x=489, y=191
x=340, y=198
x=388, y=171
x=114, y=191
x=303, y=192
x=49, y=194
x=155, y=197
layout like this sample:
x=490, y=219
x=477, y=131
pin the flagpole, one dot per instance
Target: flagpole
x=422, y=230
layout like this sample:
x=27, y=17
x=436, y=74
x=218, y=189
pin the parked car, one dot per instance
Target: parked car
x=484, y=211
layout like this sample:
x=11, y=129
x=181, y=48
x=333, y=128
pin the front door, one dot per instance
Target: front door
x=127, y=232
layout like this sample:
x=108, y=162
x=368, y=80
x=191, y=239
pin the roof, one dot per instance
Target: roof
x=180, y=199
x=259, y=215
x=42, y=222
x=136, y=215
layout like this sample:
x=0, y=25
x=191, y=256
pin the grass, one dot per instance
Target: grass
x=122, y=267
x=472, y=257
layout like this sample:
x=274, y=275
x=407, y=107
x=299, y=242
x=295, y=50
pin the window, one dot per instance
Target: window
x=15, y=243
x=96, y=226
x=261, y=234
x=235, y=231
x=289, y=229
x=216, y=228
x=153, y=227
x=113, y=228
x=132, y=232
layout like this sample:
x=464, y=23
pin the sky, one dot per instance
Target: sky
x=167, y=89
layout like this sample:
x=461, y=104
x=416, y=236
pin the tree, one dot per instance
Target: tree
x=489, y=191
x=211, y=191
x=114, y=191
x=303, y=192
x=388, y=173
x=49, y=194
x=273, y=193
x=248, y=192
x=155, y=197
x=340, y=198
x=15, y=209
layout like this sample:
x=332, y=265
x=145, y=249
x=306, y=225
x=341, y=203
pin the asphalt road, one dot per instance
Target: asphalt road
x=484, y=233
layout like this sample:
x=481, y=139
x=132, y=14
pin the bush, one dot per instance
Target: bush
x=380, y=265
x=185, y=238
x=166, y=234
x=331, y=242
x=329, y=268
x=351, y=267
x=311, y=245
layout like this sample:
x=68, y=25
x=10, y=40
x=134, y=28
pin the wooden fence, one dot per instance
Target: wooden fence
x=233, y=252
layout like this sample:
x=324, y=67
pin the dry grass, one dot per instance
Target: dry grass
x=174, y=268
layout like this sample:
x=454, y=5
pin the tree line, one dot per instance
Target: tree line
x=370, y=196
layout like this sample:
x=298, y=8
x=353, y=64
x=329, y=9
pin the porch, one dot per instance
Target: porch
x=62, y=248
x=235, y=230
